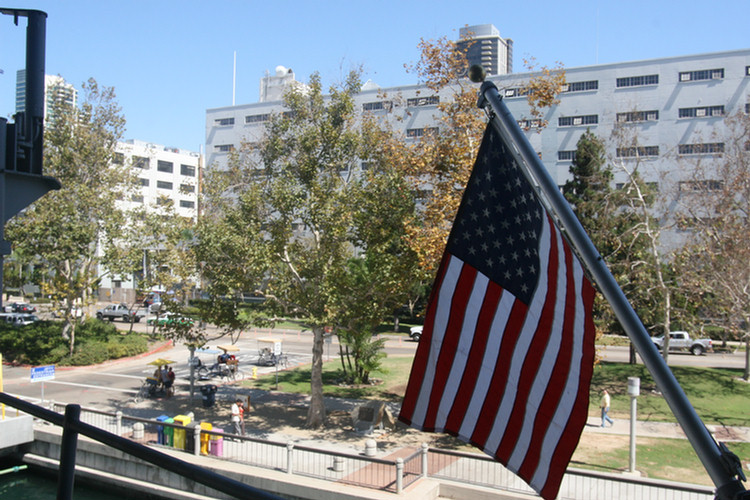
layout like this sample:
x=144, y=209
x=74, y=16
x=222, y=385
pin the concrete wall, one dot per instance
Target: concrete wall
x=97, y=462
x=15, y=431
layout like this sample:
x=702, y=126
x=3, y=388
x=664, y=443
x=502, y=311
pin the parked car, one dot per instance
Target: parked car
x=415, y=333
x=169, y=318
x=114, y=311
x=681, y=341
x=22, y=307
x=19, y=319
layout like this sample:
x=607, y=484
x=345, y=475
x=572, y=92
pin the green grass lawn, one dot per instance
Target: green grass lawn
x=719, y=396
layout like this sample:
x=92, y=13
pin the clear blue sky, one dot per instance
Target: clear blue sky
x=171, y=60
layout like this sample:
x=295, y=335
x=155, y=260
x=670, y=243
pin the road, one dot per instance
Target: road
x=110, y=384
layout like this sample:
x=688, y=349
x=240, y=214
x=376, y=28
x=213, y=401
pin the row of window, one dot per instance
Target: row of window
x=653, y=151
x=144, y=163
x=138, y=198
x=184, y=188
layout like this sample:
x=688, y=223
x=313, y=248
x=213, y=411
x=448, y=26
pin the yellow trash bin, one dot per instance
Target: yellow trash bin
x=205, y=426
x=179, y=434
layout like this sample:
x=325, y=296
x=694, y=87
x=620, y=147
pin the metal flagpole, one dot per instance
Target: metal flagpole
x=722, y=466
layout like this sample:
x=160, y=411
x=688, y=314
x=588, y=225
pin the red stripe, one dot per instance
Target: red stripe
x=572, y=434
x=474, y=360
x=416, y=378
x=459, y=304
x=533, y=358
x=500, y=376
x=558, y=377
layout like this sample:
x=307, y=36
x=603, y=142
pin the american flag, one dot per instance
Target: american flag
x=507, y=350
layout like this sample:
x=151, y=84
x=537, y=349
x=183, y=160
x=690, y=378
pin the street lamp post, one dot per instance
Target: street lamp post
x=634, y=390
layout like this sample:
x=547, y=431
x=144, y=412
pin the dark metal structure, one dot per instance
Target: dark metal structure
x=21, y=141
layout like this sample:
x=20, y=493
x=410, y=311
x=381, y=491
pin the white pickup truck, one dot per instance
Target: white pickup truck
x=681, y=341
x=114, y=311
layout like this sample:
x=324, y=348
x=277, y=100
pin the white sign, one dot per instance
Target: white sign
x=42, y=373
x=277, y=348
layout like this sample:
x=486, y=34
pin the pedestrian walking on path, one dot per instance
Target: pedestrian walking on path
x=604, y=404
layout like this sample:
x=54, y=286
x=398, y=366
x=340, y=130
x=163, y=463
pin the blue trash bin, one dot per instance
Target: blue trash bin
x=160, y=429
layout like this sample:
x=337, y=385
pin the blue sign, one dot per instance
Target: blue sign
x=42, y=373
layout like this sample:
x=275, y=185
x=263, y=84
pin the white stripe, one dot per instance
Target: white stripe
x=89, y=386
x=442, y=315
x=488, y=366
x=520, y=352
x=468, y=330
x=570, y=395
x=547, y=364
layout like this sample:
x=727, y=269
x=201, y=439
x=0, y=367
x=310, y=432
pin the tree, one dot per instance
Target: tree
x=621, y=227
x=283, y=227
x=715, y=206
x=65, y=228
x=439, y=163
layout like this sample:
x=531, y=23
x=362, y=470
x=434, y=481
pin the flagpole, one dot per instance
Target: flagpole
x=723, y=468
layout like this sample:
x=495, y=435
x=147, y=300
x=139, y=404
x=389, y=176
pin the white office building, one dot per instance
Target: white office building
x=166, y=176
x=670, y=110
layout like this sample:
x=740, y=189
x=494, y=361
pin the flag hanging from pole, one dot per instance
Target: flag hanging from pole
x=507, y=350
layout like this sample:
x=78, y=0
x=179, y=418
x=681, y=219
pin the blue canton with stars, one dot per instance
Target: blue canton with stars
x=499, y=221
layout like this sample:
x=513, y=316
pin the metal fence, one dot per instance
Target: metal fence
x=378, y=473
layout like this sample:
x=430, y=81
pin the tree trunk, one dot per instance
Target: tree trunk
x=316, y=414
x=632, y=360
x=746, y=375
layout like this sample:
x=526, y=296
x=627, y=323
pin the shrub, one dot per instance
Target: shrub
x=41, y=343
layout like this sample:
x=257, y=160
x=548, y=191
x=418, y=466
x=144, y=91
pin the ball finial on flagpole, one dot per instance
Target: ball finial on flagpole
x=477, y=74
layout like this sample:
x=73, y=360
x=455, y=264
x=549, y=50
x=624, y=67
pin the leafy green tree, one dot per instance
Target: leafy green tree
x=281, y=220
x=620, y=226
x=66, y=228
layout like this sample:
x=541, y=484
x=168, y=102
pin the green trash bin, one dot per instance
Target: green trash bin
x=169, y=433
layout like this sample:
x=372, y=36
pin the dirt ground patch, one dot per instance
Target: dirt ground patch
x=283, y=418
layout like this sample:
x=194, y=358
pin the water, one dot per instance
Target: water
x=36, y=484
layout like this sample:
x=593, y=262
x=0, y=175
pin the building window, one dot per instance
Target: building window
x=701, y=112
x=568, y=155
x=637, y=81
x=638, y=152
x=575, y=121
x=414, y=133
x=137, y=198
x=143, y=182
x=187, y=204
x=187, y=170
x=249, y=119
x=118, y=159
x=165, y=166
x=163, y=185
x=422, y=101
x=187, y=188
x=141, y=162
x=704, y=74
x=529, y=124
x=224, y=122
x=580, y=86
x=701, y=149
x=705, y=185
x=377, y=106
x=224, y=148
x=516, y=92
x=638, y=116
